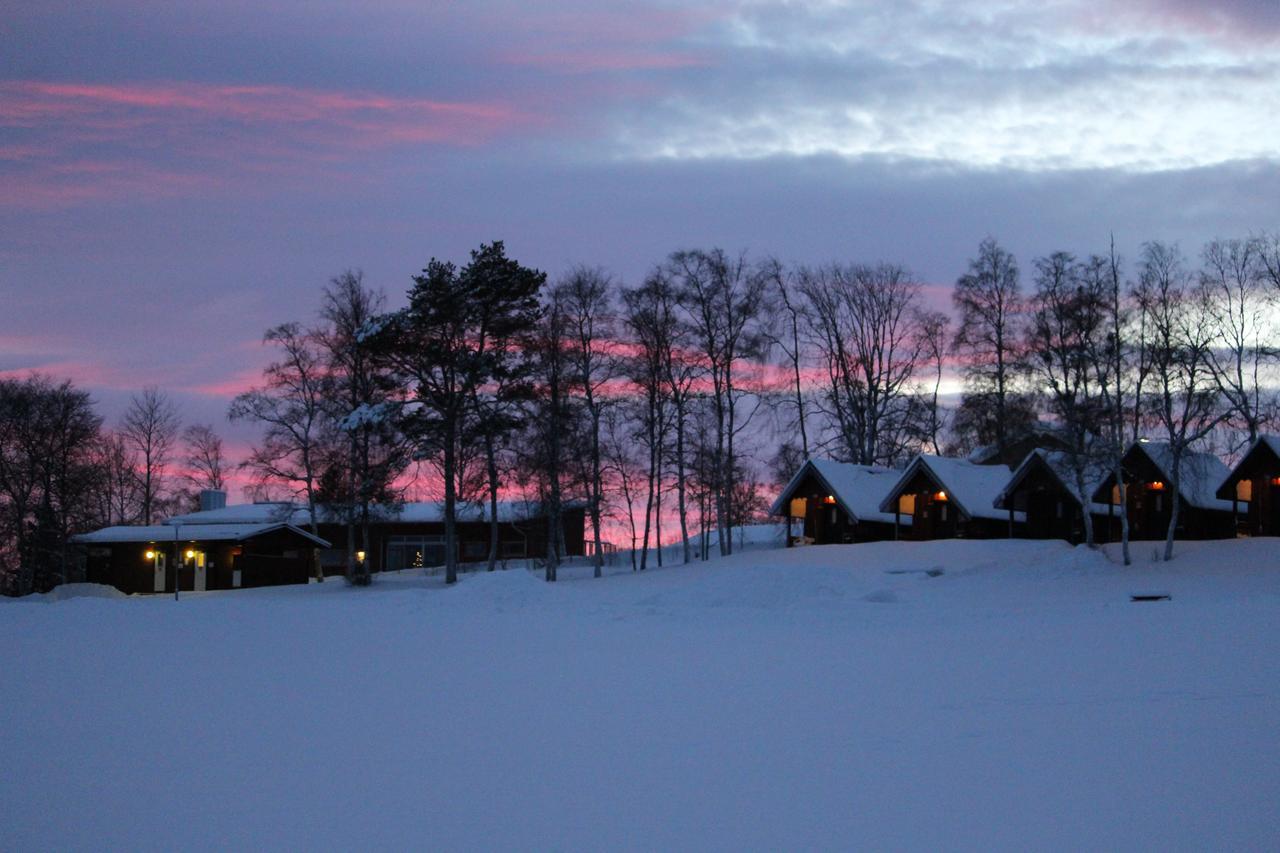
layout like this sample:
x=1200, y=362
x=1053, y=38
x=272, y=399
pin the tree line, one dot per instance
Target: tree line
x=662, y=402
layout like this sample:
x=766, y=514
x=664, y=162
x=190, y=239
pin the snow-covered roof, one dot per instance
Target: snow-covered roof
x=1059, y=465
x=162, y=533
x=858, y=489
x=973, y=488
x=415, y=512
x=1247, y=466
x=1202, y=473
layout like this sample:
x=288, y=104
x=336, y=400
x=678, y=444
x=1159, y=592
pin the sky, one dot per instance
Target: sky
x=175, y=178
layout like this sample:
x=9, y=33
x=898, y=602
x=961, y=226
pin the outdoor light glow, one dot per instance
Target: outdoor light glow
x=360, y=556
x=151, y=555
x=940, y=496
x=1157, y=486
x=829, y=499
x=191, y=554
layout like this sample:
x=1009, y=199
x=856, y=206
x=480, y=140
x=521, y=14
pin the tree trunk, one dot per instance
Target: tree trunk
x=1174, y=487
x=597, y=491
x=450, y=504
x=491, y=459
x=680, y=494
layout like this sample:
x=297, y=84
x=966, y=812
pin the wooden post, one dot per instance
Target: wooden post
x=897, y=519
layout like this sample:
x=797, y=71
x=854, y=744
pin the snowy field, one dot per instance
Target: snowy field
x=833, y=697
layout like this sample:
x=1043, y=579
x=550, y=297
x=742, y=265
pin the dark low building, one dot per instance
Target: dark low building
x=1043, y=489
x=198, y=557
x=411, y=535
x=1254, y=484
x=945, y=498
x=828, y=503
x=1147, y=468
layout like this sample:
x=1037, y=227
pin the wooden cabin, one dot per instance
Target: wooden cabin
x=198, y=557
x=1043, y=488
x=944, y=498
x=828, y=503
x=1255, y=484
x=1147, y=466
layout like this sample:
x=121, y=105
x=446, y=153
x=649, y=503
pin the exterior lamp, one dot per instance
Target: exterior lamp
x=360, y=556
x=829, y=499
x=1157, y=486
x=940, y=496
x=191, y=555
x=151, y=555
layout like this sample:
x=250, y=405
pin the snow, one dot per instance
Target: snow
x=859, y=489
x=216, y=532
x=1059, y=465
x=1202, y=473
x=410, y=512
x=972, y=487
x=919, y=695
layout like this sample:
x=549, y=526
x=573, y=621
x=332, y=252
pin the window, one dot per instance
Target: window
x=414, y=552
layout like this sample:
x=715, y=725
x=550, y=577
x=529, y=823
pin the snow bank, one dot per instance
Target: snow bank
x=974, y=695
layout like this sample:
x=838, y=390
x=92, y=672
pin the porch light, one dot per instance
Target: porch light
x=829, y=499
x=940, y=496
x=360, y=556
x=1157, y=486
x=151, y=555
x=191, y=555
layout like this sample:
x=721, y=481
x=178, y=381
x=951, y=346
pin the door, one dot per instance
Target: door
x=159, y=571
x=201, y=582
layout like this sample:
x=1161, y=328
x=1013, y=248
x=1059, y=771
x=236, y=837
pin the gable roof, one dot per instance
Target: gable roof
x=165, y=533
x=971, y=487
x=858, y=489
x=1261, y=446
x=1202, y=474
x=1058, y=464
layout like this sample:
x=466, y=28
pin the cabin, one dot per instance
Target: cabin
x=829, y=503
x=1146, y=468
x=1036, y=437
x=1255, y=482
x=411, y=535
x=938, y=497
x=1043, y=488
x=198, y=557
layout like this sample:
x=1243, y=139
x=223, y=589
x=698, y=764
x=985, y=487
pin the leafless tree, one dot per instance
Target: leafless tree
x=650, y=320
x=933, y=329
x=787, y=336
x=1239, y=311
x=586, y=295
x=989, y=302
x=150, y=426
x=1182, y=401
x=864, y=327
x=292, y=407
x=205, y=460
x=118, y=493
x=722, y=297
x=1067, y=316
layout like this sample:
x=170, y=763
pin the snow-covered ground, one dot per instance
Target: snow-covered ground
x=948, y=695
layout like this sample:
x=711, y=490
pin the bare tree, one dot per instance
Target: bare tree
x=1182, y=401
x=292, y=407
x=864, y=326
x=787, y=337
x=650, y=320
x=205, y=460
x=1067, y=317
x=150, y=426
x=933, y=329
x=118, y=493
x=722, y=297
x=989, y=302
x=1239, y=310
x=592, y=363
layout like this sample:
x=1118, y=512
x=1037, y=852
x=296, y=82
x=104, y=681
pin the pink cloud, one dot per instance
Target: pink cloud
x=77, y=141
x=580, y=62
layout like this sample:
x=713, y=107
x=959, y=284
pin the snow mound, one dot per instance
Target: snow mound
x=81, y=590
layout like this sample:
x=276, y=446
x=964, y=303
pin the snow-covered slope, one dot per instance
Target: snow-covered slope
x=969, y=695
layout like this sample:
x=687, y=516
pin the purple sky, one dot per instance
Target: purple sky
x=177, y=177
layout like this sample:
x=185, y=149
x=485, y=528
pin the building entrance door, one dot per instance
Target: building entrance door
x=159, y=571
x=201, y=582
